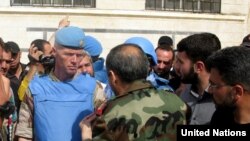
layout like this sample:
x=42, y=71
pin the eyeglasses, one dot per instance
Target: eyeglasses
x=216, y=86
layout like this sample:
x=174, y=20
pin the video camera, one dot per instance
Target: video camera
x=47, y=60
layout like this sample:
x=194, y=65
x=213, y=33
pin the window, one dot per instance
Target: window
x=202, y=6
x=54, y=3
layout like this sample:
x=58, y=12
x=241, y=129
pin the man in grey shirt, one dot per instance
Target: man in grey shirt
x=192, y=53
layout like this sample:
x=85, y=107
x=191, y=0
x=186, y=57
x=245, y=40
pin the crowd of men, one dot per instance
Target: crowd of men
x=67, y=92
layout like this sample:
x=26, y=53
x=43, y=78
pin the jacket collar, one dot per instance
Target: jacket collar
x=137, y=85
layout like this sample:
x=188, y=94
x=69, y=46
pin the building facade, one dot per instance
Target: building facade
x=113, y=21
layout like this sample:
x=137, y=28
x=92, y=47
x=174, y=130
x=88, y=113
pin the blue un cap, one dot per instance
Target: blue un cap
x=92, y=46
x=145, y=45
x=70, y=37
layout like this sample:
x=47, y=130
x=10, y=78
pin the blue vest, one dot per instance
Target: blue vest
x=60, y=106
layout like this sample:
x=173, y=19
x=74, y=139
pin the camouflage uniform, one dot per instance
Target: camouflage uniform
x=142, y=114
x=25, y=123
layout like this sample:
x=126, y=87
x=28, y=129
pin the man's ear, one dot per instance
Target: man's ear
x=112, y=77
x=53, y=51
x=238, y=91
x=199, y=66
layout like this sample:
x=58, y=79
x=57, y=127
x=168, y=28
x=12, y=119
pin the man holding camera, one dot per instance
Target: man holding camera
x=39, y=50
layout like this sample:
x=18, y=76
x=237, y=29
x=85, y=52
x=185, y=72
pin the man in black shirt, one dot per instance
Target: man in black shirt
x=230, y=86
x=16, y=71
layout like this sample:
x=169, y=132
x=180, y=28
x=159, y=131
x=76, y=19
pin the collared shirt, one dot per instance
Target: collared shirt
x=25, y=122
x=202, y=106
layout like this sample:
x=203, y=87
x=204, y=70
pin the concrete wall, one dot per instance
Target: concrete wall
x=236, y=7
x=248, y=19
x=121, y=4
x=112, y=22
x=5, y=3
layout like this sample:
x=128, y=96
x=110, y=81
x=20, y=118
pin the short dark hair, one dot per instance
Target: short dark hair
x=166, y=48
x=128, y=65
x=39, y=43
x=6, y=48
x=246, y=38
x=233, y=64
x=165, y=40
x=199, y=46
x=246, y=41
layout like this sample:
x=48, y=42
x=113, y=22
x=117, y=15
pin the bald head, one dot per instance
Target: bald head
x=128, y=61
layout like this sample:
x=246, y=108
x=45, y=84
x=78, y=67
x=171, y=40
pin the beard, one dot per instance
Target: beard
x=228, y=101
x=164, y=74
x=190, y=78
